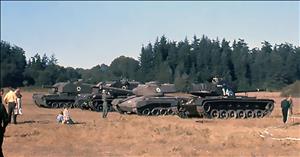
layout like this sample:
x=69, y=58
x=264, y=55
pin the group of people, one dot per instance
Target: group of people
x=64, y=117
x=13, y=100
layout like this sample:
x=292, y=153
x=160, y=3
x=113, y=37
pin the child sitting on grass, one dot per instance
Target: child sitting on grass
x=66, y=117
x=60, y=117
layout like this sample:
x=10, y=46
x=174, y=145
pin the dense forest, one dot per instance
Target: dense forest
x=183, y=62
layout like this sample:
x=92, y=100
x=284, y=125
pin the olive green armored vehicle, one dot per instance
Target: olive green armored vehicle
x=149, y=99
x=62, y=94
x=93, y=101
x=217, y=100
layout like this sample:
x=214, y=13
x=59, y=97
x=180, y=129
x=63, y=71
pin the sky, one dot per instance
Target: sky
x=85, y=34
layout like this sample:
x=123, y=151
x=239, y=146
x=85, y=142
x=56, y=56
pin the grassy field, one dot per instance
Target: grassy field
x=38, y=134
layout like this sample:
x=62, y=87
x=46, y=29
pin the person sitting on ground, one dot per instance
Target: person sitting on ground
x=60, y=117
x=67, y=119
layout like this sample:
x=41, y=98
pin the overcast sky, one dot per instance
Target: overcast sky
x=84, y=34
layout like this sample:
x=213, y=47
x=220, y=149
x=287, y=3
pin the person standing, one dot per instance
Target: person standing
x=285, y=105
x=291, y=104
x=3, y=121
x=104, y=104
x=11, y=99
x=18, y=109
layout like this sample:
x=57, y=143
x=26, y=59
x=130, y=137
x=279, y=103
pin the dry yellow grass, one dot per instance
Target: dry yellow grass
x=38, y=135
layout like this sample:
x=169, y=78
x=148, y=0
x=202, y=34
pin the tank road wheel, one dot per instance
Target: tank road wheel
x=181, y=112
x=249, y=114
x=93, y=106
x=170, y=112
x=206, y=108
x=98, y=108
x=258, y=113
x=155, y=112
x=76, y=105
x=62, y=105
x=82, y=105
x=70, y=104
x=241, y=114
x=223, y=114
x=146, y=112
x=269, y=108
x=49, y=104
x=163, y=111
x=232, y=114
x=214, y=113
x=55, y=105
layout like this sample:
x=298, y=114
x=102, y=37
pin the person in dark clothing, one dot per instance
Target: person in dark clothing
x=285, y=105
x=3, y=122
x=105, y=105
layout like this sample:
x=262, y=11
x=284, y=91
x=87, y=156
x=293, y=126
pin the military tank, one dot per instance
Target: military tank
x=217, y=100
x=118, y=89
x=148, y=99
x=62, y=94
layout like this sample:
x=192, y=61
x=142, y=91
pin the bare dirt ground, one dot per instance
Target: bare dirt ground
x=38, y=134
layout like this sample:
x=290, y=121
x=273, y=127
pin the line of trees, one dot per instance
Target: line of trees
x=198, y=60
x=180, y=62
x=38, y=70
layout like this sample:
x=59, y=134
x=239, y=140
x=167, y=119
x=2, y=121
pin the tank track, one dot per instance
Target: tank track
x=236, y=109
x=97, y=106
x=157, y=110
x=60, y=104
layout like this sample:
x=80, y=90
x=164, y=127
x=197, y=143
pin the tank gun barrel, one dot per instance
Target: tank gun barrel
x=252, y=90
x=116, y=89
